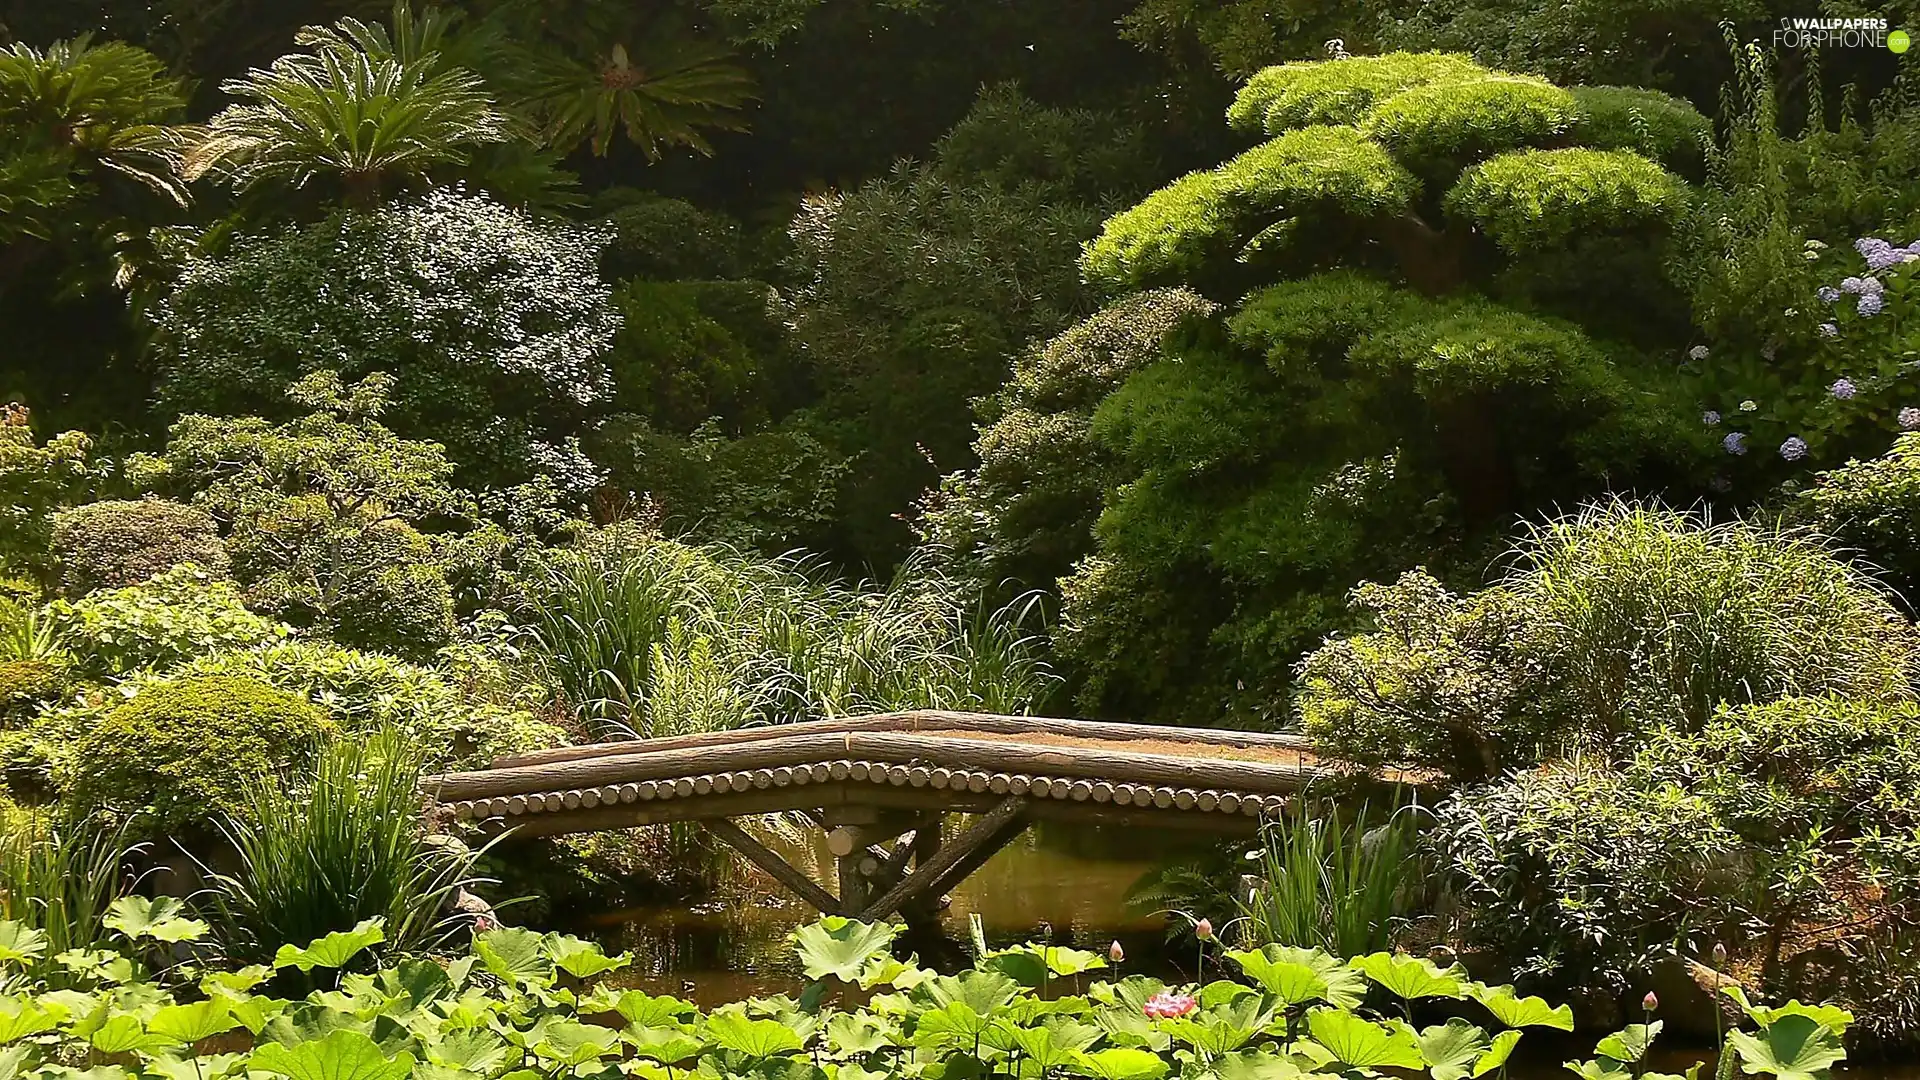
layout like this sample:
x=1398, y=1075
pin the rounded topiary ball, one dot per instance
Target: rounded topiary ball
x=110, y=545
x=186, y=748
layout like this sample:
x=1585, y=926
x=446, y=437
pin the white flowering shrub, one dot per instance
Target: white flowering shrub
x=494, y=322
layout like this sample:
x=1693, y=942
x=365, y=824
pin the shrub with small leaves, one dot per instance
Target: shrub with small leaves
x=180, y=753
x=108, y=545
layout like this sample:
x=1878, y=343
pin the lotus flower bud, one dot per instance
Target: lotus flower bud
x=1203, y=929
x=1651, y=1002
x=1115, y=953
x=1720, y=956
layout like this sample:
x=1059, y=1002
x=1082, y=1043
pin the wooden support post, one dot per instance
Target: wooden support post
x=954, y=861
x=767, y=859
x=853, y=887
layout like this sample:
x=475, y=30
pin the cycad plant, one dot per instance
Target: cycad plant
x=73, y=106
x=665, y=92
x=1332, y=882
x=358, y=108
x=322, y=853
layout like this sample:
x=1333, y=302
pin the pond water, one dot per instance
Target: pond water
x=1071, y=881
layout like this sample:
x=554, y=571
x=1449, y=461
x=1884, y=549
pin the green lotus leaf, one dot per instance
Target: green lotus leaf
x=572, y=1043
x=515, y=955
x=1257, y=1065
x=21, y=1017
x=953, y=1026
x=341, y=1055
x=159, y=918
x=1629, y=1044
x=642, y=1009
x=1411, y=977
x=470, y=1050
x=335, y=949
x=1120, y=1063
x=1518, y=1012
x=732, y=1030
x=666, y=1045
x=200, y=1067
x=841, y=948
x=1033, y=965
x=1363, y=1044
x=1600, y=1069
x=188, y=1024
x=1452, y=1049
x=852, y=1034
x=236, y=982
x=1497, y=1054
x=1296, y=976
x=982, y=991
x=1829, y=1016
x=20, y=943
x=123, y=1033
x=1793, y=1047
x=582, y=959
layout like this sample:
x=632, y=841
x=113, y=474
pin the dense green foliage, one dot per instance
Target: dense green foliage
x=493, y=322
x=185, y=750
x=119, y=543
x=1670, y=734
x=524, y=1002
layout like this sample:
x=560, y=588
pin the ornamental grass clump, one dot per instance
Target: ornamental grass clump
x=321, y=854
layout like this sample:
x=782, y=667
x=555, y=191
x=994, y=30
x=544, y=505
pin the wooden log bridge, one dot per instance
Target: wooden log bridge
x=882, y=787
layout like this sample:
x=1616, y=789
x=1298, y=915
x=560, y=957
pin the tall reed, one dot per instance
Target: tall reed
x=321, y=854
x=651, y=637
x=1330, y=882
x=60, y=874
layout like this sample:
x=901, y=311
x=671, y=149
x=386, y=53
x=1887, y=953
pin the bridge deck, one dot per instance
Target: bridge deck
x=876, y=778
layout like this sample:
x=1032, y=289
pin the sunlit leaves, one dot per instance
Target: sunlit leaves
x=160, y=919
x=671, y=94
x=1296, y=976
x=1362, y=1043
x=333, y=950
x=1410, y=977
x=1519, y=1012
x=20, y=943
x=732, y=1030
x=1793, y=1046
x=341, y=1055
x=841, y=948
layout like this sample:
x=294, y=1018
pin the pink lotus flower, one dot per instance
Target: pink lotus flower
x=1167, y=1006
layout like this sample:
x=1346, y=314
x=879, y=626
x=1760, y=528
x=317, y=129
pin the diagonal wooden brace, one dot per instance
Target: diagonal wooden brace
x=955, y=860
x=769, y=860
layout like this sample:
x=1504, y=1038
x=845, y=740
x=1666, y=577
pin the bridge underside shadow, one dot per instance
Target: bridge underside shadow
x=883, y=789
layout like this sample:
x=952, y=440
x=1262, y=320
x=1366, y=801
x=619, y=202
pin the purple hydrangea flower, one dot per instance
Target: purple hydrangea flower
x=1710, y=418
x=1867, y=245
x=1871, y=304
x=1880, y=255
x=1828, y=330
x=1861, y=286
x=1793, y=449
x=1909, y=418
x=1735, y=442
x=1828, y=294
x=1843, y=389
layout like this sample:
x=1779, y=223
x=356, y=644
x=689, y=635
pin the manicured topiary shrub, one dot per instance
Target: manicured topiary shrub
x=184, y=749
x=1415, y=336
x=109, y=545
